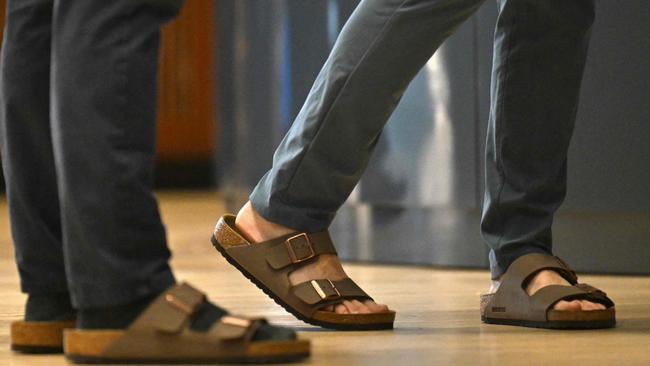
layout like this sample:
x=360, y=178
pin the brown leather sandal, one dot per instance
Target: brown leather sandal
x=39, y=336
x=166, y=332
x=511, y=305
x=269, y=264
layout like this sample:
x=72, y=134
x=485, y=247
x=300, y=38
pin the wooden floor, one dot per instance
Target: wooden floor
x=437, y=323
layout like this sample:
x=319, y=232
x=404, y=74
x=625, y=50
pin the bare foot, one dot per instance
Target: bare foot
x=257, y=229
x=546, y=278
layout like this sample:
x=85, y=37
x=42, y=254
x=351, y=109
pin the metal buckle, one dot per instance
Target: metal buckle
x=326, y=293
x=292, y=253
x=236, y=321
x=179, y=304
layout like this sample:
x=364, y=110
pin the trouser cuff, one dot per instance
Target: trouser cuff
x=121, y=293
x=301, y=219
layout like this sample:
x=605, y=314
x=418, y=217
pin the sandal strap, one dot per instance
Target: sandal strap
x=329, y=292
x=568, y=271
x=546, y=297
x=236, y=328
x=589, y=288
x=596, y=294
x=171, y=311
x=174, y=310
x=299, y=248
x=527, y=266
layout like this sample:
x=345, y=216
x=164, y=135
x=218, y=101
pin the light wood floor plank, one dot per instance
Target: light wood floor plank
x=437, y=324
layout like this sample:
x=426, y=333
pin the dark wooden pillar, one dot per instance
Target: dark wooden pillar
x=186, y=99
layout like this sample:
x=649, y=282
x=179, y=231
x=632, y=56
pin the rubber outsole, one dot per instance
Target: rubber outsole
x=568, y=325
x=269, y=293
x=36, y=349
x=247, y=360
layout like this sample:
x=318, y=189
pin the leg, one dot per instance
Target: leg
x=105, y=47
x=28, y=164
x=320, y=160
x=27, y=156
x=539, y=57
x=104, y=84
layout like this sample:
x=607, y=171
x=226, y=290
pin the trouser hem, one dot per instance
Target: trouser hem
x=121, y=293
x=291, y=217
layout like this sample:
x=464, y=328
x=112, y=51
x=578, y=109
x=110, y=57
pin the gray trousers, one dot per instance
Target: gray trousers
x=540, y=48
x=77, y=131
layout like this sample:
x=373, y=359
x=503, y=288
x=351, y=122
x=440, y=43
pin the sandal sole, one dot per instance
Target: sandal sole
x=36, y=350
x=575, y=325
x=38, y=337
x=80, y=359
x=90, y=347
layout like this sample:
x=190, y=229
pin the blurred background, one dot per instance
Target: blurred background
x=234, y=73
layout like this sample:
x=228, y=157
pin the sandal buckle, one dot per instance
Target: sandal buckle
x=327, y=292
x=179, y=304
x=302, y=243
x=184, y=298
x=236, y=321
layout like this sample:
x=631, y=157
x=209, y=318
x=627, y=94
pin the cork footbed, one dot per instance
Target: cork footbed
x=39, y=337
x=386, y=318
x=559, y=319
x=89, y=346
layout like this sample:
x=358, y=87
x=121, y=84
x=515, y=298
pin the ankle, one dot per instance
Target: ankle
x=543, y=279
x=256, y=228
x=49, y=307
x=494, y=286
x=113, y=317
